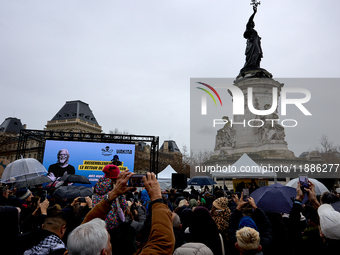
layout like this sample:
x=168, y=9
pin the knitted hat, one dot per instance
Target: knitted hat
x=248, y=238
x=194, y=249
x=23, y=193
x=329, y=221
x=111, y=171
x=193, y=203
x=221, y=203
x=246, y=221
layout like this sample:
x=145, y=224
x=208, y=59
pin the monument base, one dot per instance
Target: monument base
x=261, y=137
x=253, y=73
x=275, y=149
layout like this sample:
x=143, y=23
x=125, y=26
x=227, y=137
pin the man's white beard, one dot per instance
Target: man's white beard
x=63, y=161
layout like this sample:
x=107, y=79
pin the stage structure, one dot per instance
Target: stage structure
x=40, y=136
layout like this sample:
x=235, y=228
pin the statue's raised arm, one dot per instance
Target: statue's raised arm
x=251, y=19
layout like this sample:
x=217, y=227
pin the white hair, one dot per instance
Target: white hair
x=182, y=202
x=88, y=239
x=68, y=154
x=176, y=221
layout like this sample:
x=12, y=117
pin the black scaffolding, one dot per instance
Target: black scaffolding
x=40, y=136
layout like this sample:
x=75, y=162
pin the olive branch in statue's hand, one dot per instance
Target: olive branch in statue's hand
x=255, y=4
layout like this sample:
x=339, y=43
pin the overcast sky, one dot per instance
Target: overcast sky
x=132, y=61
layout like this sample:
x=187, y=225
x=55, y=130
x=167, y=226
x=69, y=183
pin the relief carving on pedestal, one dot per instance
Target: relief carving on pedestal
x=225, y=136
x=270, y=130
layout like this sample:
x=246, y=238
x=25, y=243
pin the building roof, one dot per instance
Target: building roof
x=76, y=110
x=172, y=146
x=11, y=125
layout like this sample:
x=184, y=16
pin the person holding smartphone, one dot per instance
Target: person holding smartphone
x=161, y=239
x=257, y=220
x=103, y=187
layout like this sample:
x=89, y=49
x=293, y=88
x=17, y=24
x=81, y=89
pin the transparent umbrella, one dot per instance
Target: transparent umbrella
x=319, y=186
x=23, y=170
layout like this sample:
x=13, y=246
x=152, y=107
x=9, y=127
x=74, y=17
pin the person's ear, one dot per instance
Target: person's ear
x=236, y=245
x=63, y=229
x=259, y=248
x=104, y=252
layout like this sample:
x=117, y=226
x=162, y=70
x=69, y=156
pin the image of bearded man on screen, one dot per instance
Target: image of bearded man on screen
x=62, y=167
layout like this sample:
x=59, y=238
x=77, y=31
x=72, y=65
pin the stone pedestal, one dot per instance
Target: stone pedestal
x=265, y=144
x=251, y=133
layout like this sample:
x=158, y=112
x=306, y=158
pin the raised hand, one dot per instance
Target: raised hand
x=239, y=201
x=152, y=186
x=121, y=185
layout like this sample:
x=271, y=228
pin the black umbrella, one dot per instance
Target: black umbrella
x=72, y=192
x=201, y=181
x=38, y=180
x=274, y=198
x=75, y=178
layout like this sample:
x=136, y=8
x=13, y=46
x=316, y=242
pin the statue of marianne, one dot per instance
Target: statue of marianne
x=253, y=50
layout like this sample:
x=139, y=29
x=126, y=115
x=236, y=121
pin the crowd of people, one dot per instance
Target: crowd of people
x=118, y=219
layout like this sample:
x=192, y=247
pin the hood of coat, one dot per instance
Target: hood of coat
x=103, y=186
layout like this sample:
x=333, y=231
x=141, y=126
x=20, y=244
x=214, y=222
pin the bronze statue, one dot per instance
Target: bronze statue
x=253, y=51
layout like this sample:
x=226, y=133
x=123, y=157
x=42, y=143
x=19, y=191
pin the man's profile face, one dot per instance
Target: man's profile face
x=109, y=246
x=29, y=199
x=6, y=193
x=63, y=156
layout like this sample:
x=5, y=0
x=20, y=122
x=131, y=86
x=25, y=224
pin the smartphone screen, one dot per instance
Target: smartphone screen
x=82, y=200
x=303, y=179
x=136, y=180
x=44, y=195
x=245, y=194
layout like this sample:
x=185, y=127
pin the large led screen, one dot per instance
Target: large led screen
x=86, y=158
